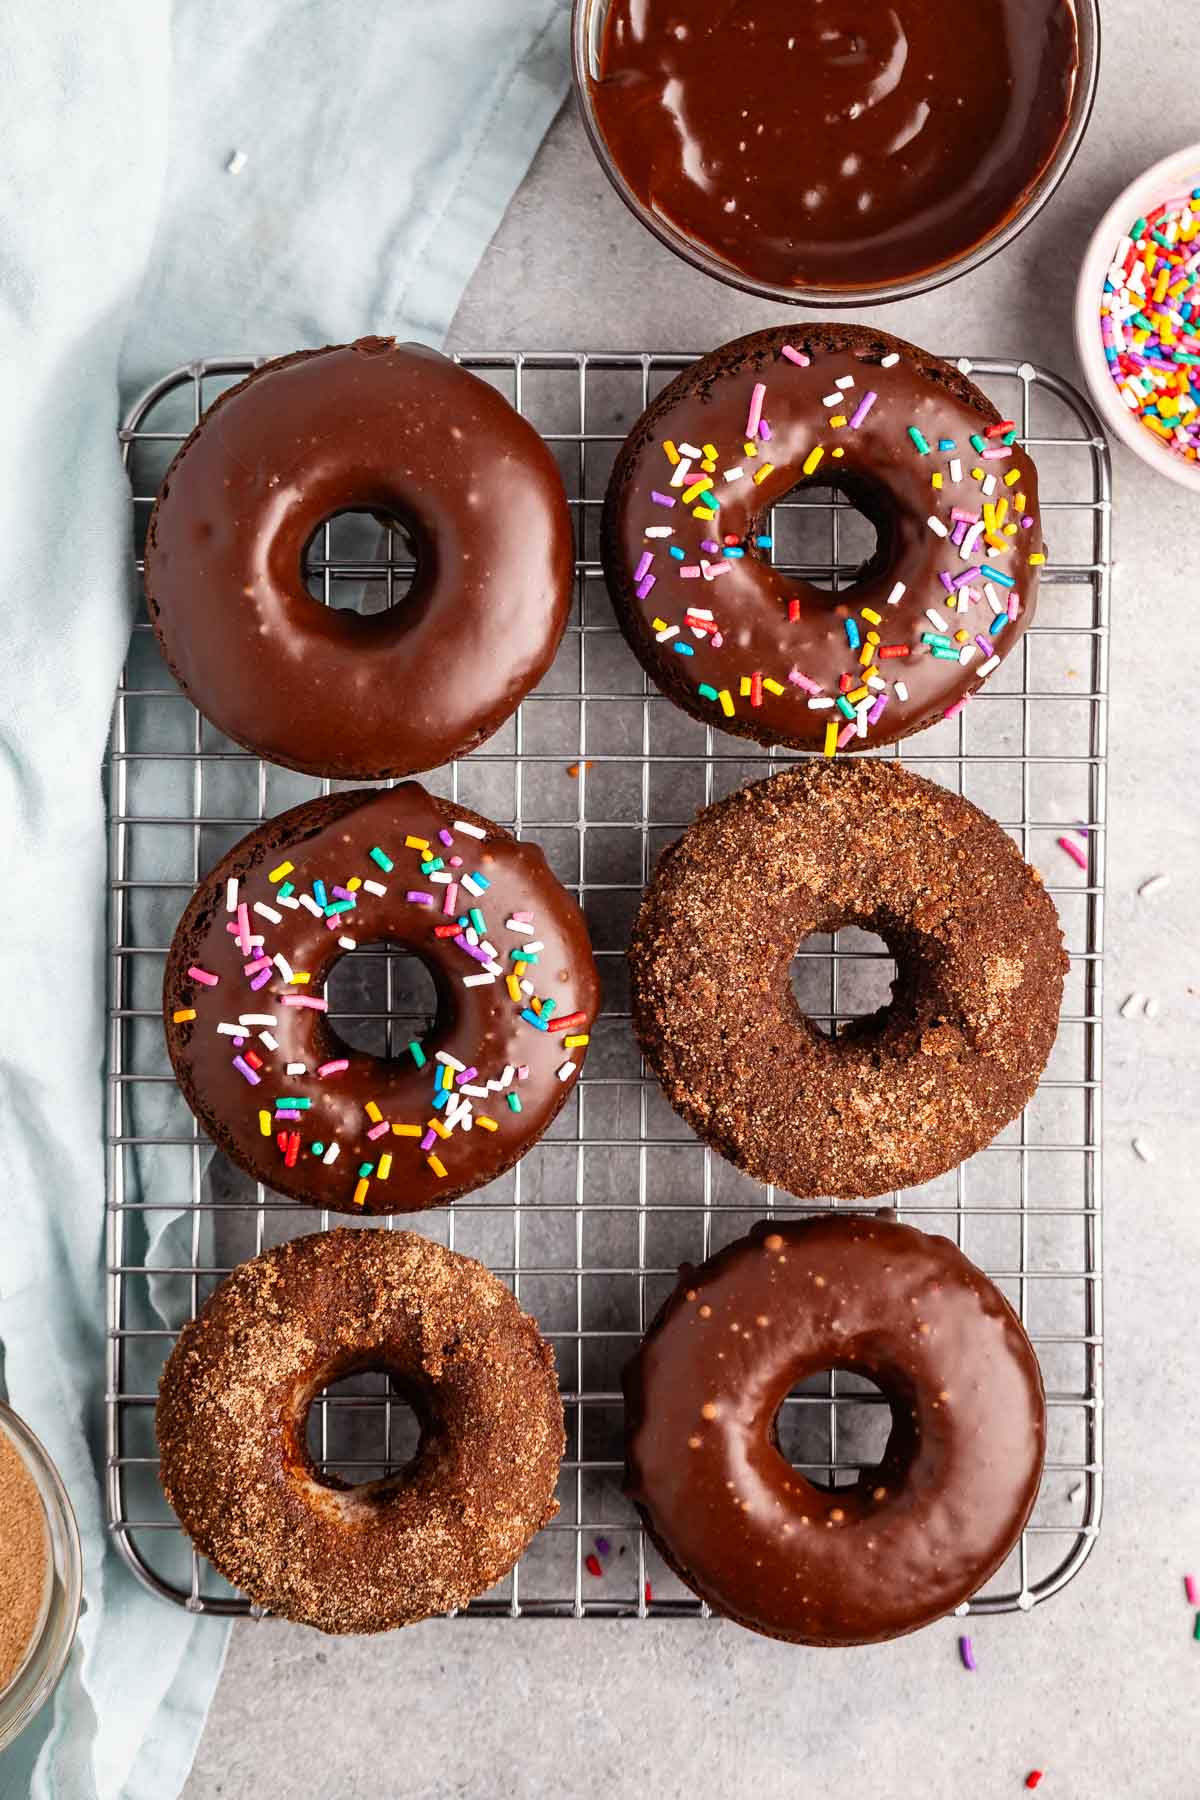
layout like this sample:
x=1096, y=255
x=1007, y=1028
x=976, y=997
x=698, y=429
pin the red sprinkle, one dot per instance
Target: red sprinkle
x=293, y=1150
x=446, y=930
x=1000, y=429
x=845, y=683
x=793, y=611
x=592, y=1565
x=649, y=1594
x=565, y=1024
x=254, y=1060
x=756, y=688
x=886, y=650
x=1033, y=1777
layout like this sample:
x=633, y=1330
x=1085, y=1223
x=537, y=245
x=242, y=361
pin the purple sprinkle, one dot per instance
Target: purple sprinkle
x=260, y=981
x=238, y=1042
x=764, y=431
x=243, y=1068
x=643, y=587
x=418, y=898
x=286, y=1112
x=472, y=949
x=661, y=499
x=1026, y=521
x=863, y=408
x=603, y=1546
x=466, y=1075
x=877, y=710
x=711, y=545
x=445, y=837
x=958, y=534
x=429, y=1140
x=985, y=644
x=643, y=567
x=967, y=577
x=945, y=580
x=967, y=1654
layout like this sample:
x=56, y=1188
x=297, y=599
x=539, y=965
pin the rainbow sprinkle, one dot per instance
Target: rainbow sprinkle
x=1150, y=323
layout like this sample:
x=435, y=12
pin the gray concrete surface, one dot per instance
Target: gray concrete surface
x=1095, y=1687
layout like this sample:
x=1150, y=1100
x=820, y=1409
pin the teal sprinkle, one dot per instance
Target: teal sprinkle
x=365, y=1169
x=997, y=575
x=919, y=439
x=291, y=1101
x=285, y=889
x=944, y=655
x=549, y=1006
x=978, y=443
x=317, y=1148
x=478, y=921
x=706, y=692
x=432, y=863
x=845, y=707
x=338, y=906
x=935, y=637
x=998, y=623
x=514, y=1101
x=1139, y=226
x=377, y=856
x=1010, y=437
x=417, y=1054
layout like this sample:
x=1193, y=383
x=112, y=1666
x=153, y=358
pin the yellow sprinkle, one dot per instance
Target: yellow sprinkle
x=838, y=419
x=859, y=693
x=574, y=1043
x=183, y=1015
x=831, y=738
x=416, y=843
x=709, y=466
x=672, y=452
x=976, y=474
x=772, y=687
x=711, y=451
x=749, y=449
x=264, y=1123
x=697, y=488
x=360, y=1192
x=519, y=968
x=1037, y=558
x=300, y=977
x=872, y=617
x=839, y=451
x=936, y=481
x=435, y=1124
x=1012, y=478
x=408, y=1130
x=385, y=1166
x=726, y=699
x=285, y=868
x=354, y=883
x=812, y=459
x=744, y=686
x=703, y=512
x=962, y=637
x=872, y=636
x=436, y=1164
x=1001, y=509
x=487, y=1123
x=866, y=655
x=989, y=515
x=447, y=1076
x=1010, y=531
x=514, y=988
x=373, y=1113
x=658, y=624
x=761, y=474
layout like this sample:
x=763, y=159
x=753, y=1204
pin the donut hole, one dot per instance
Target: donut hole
x=843, y=977
x=364, y=1427
x=834, y=1427
x=831, y=536
x=381, y=996
x=361, y=561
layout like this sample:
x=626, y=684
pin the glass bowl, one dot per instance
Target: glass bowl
x=46, y=1656
x=587, y=30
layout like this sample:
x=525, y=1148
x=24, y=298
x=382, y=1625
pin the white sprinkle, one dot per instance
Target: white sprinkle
x=1133, y=1004
x=468, y=830
x=1154, y=885
x=297, y=1069
x=955, y=469
x=1150, y=1010
x=700, y=612
x=307, y=900
x=506, y=1076
x=451, y=1062
x=681, y=473
x=476, y=1093
x=834, y=399
x=483, y=979
x=526, y=987
x=440, y=876
x=935, y=525
x=991, y=596
x=689, y=450
x=287, y=900
x=236, y=162
x=671, y=631
x=269, y=1039
x=348, y=943
x=283, y=965
x=659, y=531
x=844, y=381
x=967, y=652
x=902, y=690
x=935, y=618
x=332, y=1154
x=471, y=885
x=565, y=1070
x=232, y=1030
x=873, y=681
x=267, y=912
x=974, y=533
x=890, y=361
x=819, y=705
x=732, y=474
x=257, y=1019
x=985, y=668
x=374, y=887
x=989, y=486
x=231, y=893
x=1142, y=1150
x=897, y=594
x=518, y=925
x=533, y=948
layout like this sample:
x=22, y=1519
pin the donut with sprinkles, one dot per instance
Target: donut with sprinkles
x=247, y=1014
x=731, y=629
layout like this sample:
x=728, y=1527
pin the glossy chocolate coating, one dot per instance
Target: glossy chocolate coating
x=912, y=1538
x=373, y=426
x=480, y=1026
x=836, y=143
x=879, y=467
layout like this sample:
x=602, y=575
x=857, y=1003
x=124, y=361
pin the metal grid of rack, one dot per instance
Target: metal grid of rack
x=589, y=1228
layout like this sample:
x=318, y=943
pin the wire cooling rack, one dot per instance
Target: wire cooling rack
x=589, y=1228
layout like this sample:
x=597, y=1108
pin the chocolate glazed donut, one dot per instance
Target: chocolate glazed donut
x=245, y=1008
x=913, y=1537
x=233, y=1407
x=895, y=1098
x=373, y=426
x=921, y=452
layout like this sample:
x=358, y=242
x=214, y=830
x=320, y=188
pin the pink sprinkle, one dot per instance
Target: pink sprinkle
x=333, y=1068
x=252, y=968
x=306, y=1000
x=203, y=976
x=1014, y=605
x=523, y=1072
x=243, y=1068
x=377, y=1131
x=690, y=571
x=418, y=898
x=794, y=356
x=243, y=930
x=1073, y=851
x=846, y=734
x=964, y=518
x=802, y=681
x=524, y=918
x=429, y=1140
x=996, y=455
x=451, y=899
x=952, y=711
x=456, y=862
x=643, y=587
x=863, y=408
x=757, y=396
x=643, y=567
x=1189, y=1588
x=661, y=499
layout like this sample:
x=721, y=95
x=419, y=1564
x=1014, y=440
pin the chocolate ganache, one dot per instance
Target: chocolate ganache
x=838, y=143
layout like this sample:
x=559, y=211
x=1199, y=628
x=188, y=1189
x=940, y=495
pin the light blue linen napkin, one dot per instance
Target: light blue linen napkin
x=379, y=142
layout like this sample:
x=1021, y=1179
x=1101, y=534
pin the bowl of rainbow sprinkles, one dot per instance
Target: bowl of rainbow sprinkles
x=1137, y=317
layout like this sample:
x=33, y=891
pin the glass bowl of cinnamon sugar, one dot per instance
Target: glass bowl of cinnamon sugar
x=41, y=1575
